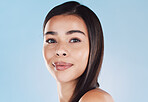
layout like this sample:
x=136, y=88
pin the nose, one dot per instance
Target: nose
x=64, y=54
x=61, y=51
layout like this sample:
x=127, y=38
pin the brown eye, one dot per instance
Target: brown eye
x=51, y=41
x=74, y=40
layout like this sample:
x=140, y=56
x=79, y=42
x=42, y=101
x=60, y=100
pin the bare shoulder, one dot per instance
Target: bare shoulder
x=96, y=95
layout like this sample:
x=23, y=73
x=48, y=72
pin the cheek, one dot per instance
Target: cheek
x=81, y=51
x=47, y=53
x=81, y=56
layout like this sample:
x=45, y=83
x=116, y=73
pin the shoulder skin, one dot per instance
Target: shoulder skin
x=96, y=95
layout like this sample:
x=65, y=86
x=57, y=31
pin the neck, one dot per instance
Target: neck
x=65, y=90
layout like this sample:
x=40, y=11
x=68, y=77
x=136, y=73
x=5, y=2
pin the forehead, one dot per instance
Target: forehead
x=66, y=22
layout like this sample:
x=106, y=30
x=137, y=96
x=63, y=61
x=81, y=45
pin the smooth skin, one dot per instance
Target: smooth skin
x=96, y=95
x=66, y=40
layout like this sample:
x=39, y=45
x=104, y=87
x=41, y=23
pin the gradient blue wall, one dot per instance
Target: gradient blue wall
x=23, y=74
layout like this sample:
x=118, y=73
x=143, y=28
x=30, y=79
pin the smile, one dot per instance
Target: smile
x=61, y=66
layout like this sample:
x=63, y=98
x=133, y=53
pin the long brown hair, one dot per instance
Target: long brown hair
x=89, y=79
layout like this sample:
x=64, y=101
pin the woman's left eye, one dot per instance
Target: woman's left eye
x=75, y=40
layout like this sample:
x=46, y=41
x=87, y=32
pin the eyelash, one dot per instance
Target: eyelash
x=50, y=40
x=76, y=40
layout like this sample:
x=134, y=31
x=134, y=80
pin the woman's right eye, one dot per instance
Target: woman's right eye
x=50, y=41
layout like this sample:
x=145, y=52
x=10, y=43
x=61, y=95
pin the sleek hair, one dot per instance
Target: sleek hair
x=88, y=80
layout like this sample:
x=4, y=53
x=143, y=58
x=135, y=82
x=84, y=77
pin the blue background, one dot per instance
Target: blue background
x=23, y=74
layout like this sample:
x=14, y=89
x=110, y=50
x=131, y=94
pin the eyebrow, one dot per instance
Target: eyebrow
x=67, y=33
x=51, y=33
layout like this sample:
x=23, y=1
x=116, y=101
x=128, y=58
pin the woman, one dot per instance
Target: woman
x=73, y=51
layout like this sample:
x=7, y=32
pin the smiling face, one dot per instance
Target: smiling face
x=66, y=47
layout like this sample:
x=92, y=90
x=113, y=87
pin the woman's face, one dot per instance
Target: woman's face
x=66, y=47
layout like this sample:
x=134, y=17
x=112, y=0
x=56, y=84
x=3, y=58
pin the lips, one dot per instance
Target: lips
x=60, y=66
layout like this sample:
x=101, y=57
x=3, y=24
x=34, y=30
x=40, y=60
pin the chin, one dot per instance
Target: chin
x=62, y=78
x=67, y=75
